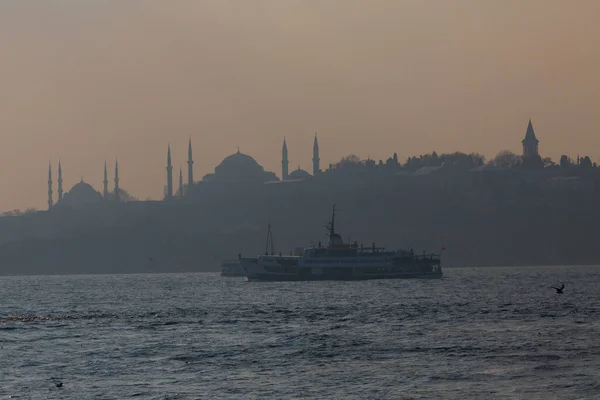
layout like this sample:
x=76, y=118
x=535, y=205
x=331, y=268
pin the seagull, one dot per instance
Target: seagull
x=57, y=382
x=560, y=289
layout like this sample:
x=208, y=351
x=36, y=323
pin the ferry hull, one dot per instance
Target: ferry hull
x=295, y=278
x=336, y=276
x=233, y=274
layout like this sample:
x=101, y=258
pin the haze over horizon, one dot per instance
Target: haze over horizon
x=90, y=81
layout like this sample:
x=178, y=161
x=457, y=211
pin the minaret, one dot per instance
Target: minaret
x=117, y=192
x=284, y=161
x=50, y=186
x=105, y=182
x=180, y=183
x=60, y=182
x=530, y=143
x=190, y=165
x=316, y=160
x=169, y=175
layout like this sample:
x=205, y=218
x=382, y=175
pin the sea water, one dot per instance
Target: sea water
x=493, y=333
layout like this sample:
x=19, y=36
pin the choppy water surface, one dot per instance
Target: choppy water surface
x=477, y=333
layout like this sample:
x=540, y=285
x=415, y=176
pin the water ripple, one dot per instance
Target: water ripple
x=479, y=333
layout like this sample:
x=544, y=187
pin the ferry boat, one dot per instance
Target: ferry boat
x=341, y=261
x=232, y=268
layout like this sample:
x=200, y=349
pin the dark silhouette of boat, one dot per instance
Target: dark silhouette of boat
x=232, y=268
x=341, y=261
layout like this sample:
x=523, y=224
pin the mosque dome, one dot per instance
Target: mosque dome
x=299, y=174
x=239, y=167
x=237, y=162
x=82, y=193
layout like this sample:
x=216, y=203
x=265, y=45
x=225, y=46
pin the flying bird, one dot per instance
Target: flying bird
x=560, y=289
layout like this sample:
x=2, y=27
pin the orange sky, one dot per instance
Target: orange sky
x=91, y=80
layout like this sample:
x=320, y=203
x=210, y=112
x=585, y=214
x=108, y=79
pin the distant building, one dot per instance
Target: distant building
x=239, y=167
x=117, y=189
x=81, y=194
x=60, y=182
x=190, y=163
x=182, y=189
x=316, y=160
x=299, y=174
x=50, y=199
x=284, y=162
x=169, y=194
x=531, y=157
x=105, y=182
x=530, y=142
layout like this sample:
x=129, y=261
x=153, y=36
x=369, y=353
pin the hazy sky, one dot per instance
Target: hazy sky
x=89, y=80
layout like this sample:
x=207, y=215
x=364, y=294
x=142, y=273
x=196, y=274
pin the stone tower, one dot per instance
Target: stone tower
x=284, y=162
x=530, y=142
x=316, y=160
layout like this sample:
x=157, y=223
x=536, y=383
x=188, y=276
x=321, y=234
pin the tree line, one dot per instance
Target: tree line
x=504, y=159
